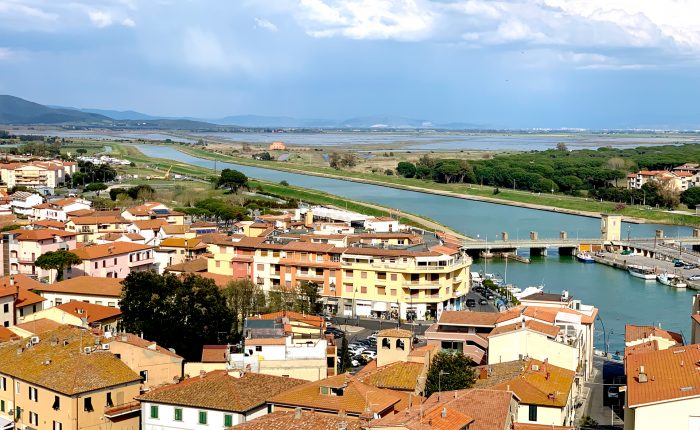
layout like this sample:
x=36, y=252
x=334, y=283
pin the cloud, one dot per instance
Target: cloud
x=5, y=54
x=128, y=22
x=100, y=18
x=265, y=24
x=203, y=50
x=367, y=19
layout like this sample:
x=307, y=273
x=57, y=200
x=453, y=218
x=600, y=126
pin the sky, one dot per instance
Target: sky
x=507, y=64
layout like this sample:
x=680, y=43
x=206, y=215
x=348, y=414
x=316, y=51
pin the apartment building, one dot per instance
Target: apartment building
x=23, y=202
x=17, y=300
x=42, y=176
x=65, y=380
x=86, y=289
x=25, y=246
x=90, y=228
x=678, y=179
x=111, y=260
x=57, y=210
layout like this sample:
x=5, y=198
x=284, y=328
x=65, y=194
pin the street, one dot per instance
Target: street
x=606, y=411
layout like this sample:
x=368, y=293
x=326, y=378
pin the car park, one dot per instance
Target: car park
x=483, y=302
x=694, y=278
x=490, y=296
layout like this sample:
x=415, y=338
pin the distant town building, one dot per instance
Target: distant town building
x=278, y=146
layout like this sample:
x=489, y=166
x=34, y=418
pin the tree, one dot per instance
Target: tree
x=561, y=146
x=691, y=197
x=307, y=298
x=57, y=260
x=96, y=186
x=406, y=169
x=81, y=151
x=232, y=179
x=191, y=307
x=450, y=371
x=345, y=362
x=243, y=298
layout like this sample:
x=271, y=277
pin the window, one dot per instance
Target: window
x=399, y=344
x=386, y=343
x=59, y=302
x=104, y=263
x=348, y=273
x=363, y=275
x=33, y=394
x=363, y=290
x=21, y=312
x=115, y=261
x=111, y=304
x=178, y=414
x=532, y=413
x=3, y=383
x=18, y=413
x=154, y=412
x=110, y=403
x=56, y=403
x=381, y=291
x=87, y=404
x=144, y=375
x=2, y=406
x=381, y=276
x=393, y=292
x=203, y=417
x=6, y=308
x=348, y=288
x=447, y=345
x=17, y=387
x=95, y=264
x=57, y=426
x=33, y=418
x=228, y=420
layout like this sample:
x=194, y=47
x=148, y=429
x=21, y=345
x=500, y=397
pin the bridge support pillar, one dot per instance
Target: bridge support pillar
x=566, y=251
x=538, y=252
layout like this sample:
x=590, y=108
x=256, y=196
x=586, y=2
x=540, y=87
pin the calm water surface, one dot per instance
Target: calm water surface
x=620, y=297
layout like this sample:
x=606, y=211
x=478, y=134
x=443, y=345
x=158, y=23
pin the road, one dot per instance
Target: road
x=598, y=405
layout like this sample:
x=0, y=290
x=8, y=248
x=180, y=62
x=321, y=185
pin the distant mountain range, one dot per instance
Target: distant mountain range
x=17, y=111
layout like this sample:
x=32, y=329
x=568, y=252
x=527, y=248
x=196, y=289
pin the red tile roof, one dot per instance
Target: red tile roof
x=491, y=409
x=307, y=420
x=642, y=332
x=430, y=418
x=92, y=252
x=214, y=353
x=467, y=318
x=86, y=285
x=39, y=325
x=312, y=320
x=93, y=313
x=41, y=234
x=532, y=325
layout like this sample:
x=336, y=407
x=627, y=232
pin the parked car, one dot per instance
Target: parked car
x=471, y=303
x=694, y=278
x=483, y=302
x=336, y=334
x=679, y=263
x=690, y=266
x=490, y=296
x=613, y=392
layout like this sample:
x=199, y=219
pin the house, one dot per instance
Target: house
x=639, y=334
x=148, y=229
x=678, y=180
x=81, y=314
x=300, y=420
x=491, y=409
x=663, y=389
x=17, y=300
x=340, y=393
x=23, y=202
x=64, y=380
x=278, y=146
x=216, y=400
x=382, y=224
x=57, y=210
x=302, y=325
x=111, y=260
x=25, y=246
x=156, y=365
x=546, y=393
x=175, y=250
x=90, y=228
x=86, y=289
x=152, y=211
x=121, y=237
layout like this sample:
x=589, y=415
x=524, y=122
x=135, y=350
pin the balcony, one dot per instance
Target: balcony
x=422, y=285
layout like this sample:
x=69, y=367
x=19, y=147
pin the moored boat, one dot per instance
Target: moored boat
x=642, y=272
x=671, y=280
x=584, y=257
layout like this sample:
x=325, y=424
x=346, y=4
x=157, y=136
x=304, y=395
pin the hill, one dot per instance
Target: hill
x=14, y=110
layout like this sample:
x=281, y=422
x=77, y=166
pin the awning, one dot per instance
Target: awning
x=6, y=424
x=394, y=305
x=331, y=300
x=363, y=303
x=379, y=307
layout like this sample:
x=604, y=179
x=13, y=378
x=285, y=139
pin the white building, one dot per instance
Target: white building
x=23, y=202
x=206, y=401
x=98, y=291
x=57, y=209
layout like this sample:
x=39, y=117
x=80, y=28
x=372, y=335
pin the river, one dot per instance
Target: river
x=620, y=297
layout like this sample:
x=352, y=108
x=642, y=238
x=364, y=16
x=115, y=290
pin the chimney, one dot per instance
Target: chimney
x=483, y=373
x=297, y=413
x=642, y=378
x=444, y=413
x=202, y=373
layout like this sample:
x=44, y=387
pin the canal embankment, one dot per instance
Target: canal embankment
x=659, y=265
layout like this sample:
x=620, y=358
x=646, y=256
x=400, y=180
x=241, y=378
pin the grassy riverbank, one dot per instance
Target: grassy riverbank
x=552, y=202
x=285, y=192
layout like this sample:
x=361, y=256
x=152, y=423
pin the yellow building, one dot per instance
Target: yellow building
x=65, y=380
x=89, y=228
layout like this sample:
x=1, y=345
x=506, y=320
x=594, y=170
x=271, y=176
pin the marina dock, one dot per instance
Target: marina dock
x=659, y=265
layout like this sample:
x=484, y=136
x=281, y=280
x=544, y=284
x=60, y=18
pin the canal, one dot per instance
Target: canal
x=620, y=297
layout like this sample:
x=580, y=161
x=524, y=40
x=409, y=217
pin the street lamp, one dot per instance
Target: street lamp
x=440, y=382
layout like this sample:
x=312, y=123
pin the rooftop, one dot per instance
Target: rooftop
x=92, y=252
x=140, y=342
x=196, y=265
x=401, y=375
x=395, y=332
x=40, y=234
x=86, y=285
x=214, y=353
x=288, y=420
x=645, y=332
x=472, y=319
x=532, y=325
x=39, y=325
x=221, y=391
x=490, y=408
x=69, y=370
x=437, y=417
x=540, y=384
x=93, y=313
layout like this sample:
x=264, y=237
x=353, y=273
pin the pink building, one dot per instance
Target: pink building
x=112, y=260
x=25, y=246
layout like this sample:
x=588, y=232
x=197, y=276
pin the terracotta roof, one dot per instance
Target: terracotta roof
x=266, y=341
x=41, y=234
x=510, y=314
x=27, y=298
x=395, y=332
x=150, y=224
x=220, y=391
x=86, y=285
x=696, y=318
x=546, y=297
x=536, y=326
x=309, y=420
x=81, y=213
x=49, y=223
x=466, y=318
x=643, y=332
x=221, y=281
x=197, y=265
x=355, y=399
x=313, y=320
x=174, y=229
x=21, y=282
x=401, y=375
x=93, y=313
x=39, y=325
x=540, y=384
x=92, y=252
x=490, y=409
x=214, y=353
x=7, y=335
x=134, y=340
x=420, y=418
x=97, y=219
x=640, y=348
x=179, y=242
x=70, y=371
x=671, y=374
x=549, y=314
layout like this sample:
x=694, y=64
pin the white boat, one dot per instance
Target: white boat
x=584, y=257
x=671, y=280
x=642, y=272
x=528, y=291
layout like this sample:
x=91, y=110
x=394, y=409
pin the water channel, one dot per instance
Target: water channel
x=620, y=298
